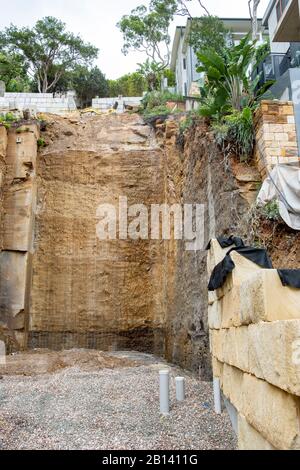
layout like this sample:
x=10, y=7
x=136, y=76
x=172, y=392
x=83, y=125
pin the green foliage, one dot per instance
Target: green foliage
x=41, y=143
x=208, y=33
x=237, y=131
x=158, y=98
x=161, y=110
x=146, y=30
x=88, y=83
x=47, y=49
x=7, y=119
x=228, y=82
x=229, y=96
x=132, y=84
x=270, y=211
x=13, y=72
x=170, y=76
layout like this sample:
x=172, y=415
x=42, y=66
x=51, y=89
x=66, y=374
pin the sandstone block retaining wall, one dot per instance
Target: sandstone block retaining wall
x=255, y=343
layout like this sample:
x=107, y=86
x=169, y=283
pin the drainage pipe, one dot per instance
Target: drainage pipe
x=164, y=390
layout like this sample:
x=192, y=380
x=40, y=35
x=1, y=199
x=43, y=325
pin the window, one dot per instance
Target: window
x=184, y=64
x=280, y=7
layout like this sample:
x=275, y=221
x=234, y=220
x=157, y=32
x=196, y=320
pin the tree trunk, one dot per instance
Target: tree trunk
x=253, y=7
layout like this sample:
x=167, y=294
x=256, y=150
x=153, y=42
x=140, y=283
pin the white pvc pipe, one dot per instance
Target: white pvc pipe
x=164, y=388
x=180, y=388
x=217, y=396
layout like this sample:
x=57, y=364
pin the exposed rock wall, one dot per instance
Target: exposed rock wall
x=74, y=290
x=88, y=292
x=18, y=204
x=200, y=174
x=3, y=149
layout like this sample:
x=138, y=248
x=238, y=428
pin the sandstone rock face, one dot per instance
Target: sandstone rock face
x=77, y=290
x=197, y=174
x=85, y=291
x=19, y=205
x=3, y=149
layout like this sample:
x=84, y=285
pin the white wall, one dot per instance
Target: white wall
x=103, y=104
x=40, y=102
x=181, y=74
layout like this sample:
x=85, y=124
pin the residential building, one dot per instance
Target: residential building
x=283, y=64
x=184, y=60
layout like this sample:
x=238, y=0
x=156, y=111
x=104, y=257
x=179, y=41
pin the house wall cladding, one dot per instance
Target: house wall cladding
x=255, y=343
x=276, y=137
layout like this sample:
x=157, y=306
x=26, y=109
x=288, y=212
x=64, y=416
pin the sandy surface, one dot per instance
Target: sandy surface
x=93, y=400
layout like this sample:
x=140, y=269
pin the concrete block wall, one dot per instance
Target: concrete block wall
x=255, y=344
x=41, y=102
x=106, y=103
x=276, y=136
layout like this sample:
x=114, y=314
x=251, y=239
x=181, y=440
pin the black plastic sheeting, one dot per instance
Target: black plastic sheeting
x=259, y=256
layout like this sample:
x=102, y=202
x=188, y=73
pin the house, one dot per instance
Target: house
x=283, y=22
x=283, y=63
x=282, y=18
x=184, y=60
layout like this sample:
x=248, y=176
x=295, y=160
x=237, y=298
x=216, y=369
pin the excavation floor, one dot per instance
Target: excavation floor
x=91, y=400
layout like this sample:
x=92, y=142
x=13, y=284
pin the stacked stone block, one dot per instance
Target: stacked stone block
x=276, y=138
x=254, y=326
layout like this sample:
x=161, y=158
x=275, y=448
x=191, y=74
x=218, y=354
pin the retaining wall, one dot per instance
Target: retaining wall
x=255, y=343
x=276, y=137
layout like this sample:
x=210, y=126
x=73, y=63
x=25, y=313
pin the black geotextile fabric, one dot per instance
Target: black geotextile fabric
x=259, y=256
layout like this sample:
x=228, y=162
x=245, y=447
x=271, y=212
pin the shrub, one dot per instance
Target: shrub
x=161, y=110
x=41, y=143
x=159, y=98
x=270, y=211
x=236, y=130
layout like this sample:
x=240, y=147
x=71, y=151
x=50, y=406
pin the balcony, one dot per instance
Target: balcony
x=275, y=65
x=288, y=22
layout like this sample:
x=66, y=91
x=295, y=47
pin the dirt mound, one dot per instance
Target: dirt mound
x=45, y=361
x=282, y=243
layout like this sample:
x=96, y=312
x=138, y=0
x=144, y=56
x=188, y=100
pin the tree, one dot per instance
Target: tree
x=47, y=47
x=147, y=31
x=88, y=83
x=13, y=72
x=132, y=84
x=208, y=32
x=253, y=7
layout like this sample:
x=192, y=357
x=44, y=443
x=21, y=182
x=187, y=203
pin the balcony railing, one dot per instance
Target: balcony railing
x=275, y=65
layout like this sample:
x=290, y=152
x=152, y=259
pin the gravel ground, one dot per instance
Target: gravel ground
x=108, y=408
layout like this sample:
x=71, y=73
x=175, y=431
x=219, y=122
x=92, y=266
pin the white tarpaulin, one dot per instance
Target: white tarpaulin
x=283, y=185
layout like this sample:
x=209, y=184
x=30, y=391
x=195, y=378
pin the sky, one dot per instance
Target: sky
x=95, y=21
